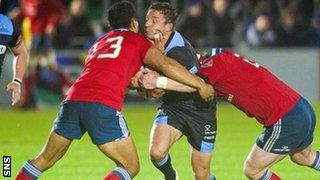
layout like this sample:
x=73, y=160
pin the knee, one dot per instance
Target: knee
x=157, y=154
x=201, y=173
x=201, y=170
x=132, y=168
x=250, y=171
x=301, y=160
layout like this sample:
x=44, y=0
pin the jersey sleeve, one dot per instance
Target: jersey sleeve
x=184, y=56
x=144, y=45
x=16, y=36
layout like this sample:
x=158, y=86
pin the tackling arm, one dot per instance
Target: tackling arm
x=151, y=80
x=154, y=93
x=174, y=70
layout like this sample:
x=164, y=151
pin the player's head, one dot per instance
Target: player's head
x=161, y=18
x=122, y=15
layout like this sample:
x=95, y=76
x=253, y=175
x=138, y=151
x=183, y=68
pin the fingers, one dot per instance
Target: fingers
x=16, y=92
x=15, y=98
x=159, y=40
x=148, y=80
x=207, y=92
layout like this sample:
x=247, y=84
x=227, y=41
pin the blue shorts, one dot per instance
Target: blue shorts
x=103, y=124
x=292, y=132
x=199, y=126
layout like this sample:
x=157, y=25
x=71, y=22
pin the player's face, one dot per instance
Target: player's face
x=156, y=23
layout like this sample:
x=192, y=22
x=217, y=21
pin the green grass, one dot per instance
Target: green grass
x=23, y=133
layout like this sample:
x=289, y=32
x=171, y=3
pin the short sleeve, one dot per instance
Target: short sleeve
x=16, y=36
x=184, y=56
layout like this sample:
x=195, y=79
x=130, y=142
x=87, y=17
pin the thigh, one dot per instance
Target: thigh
x=54, y=149
x=259, y=160
x=166, y=129
x=304, y=156
x=67, y=123
x=104, y=124
x=163, y=136
x=122, y=152
x=201, y=131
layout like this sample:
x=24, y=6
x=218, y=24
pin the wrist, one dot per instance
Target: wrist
x=17, y=81
x=162, y=82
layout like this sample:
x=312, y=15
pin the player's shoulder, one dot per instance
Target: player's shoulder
x=6, y=26
x=130, y=36
x=177, y=41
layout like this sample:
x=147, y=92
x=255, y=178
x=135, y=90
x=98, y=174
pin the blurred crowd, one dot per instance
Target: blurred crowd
x=50, y=25
x=75, y=24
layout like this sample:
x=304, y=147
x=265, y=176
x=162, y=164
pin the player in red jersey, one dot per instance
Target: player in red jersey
x=94, y=101
x=288, y=118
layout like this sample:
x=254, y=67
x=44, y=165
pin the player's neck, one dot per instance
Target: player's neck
x=166, y=36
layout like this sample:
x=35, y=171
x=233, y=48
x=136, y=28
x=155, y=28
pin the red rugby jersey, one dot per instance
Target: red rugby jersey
x=110, y=64
x=249, y=86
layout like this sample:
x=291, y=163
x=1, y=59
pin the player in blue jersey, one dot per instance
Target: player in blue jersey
x=10, y=38
x=180, y=113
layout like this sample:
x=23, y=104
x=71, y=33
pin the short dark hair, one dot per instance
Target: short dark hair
x=120, y=14
x=169, y=12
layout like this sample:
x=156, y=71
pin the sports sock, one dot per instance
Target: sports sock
x=316, y=163
x=118, y=174
x=166, y=168
x=268, y=175
x=212, y=177
x=28, y=172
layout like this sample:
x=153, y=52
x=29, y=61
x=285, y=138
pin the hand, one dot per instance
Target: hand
x=159, y=41
x=206, y=91
x=16, y=92
x=134, y=81
x=148, y=79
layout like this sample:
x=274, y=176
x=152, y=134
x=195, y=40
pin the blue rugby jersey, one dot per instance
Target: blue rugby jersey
x=10, y=36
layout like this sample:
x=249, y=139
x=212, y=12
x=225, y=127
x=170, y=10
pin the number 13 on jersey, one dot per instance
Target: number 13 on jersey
x=113, y=43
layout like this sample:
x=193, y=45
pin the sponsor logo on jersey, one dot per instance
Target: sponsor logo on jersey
x=2, y=49
x=230, y=97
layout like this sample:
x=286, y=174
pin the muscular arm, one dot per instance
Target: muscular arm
x=152, y=80
x=173, y=85
x=21, y=60
x=169, y=67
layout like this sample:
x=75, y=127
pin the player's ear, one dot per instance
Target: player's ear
x=169, y=27
x=134, y=25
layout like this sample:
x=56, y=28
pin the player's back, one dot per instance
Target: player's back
x=249, y=86
x=111, y=63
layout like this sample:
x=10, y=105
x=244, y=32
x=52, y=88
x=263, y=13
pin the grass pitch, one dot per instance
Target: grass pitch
x=23, y=133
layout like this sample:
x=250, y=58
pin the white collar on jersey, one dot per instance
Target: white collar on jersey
x=121, y=29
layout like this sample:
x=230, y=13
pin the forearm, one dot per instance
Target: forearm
x=20, y=61
x=175, y=71
x=20, y=67
x=173, y=85
x=170, y=68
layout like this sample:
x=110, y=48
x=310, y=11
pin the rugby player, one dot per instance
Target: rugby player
x=93, y=103
x=287, y=117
